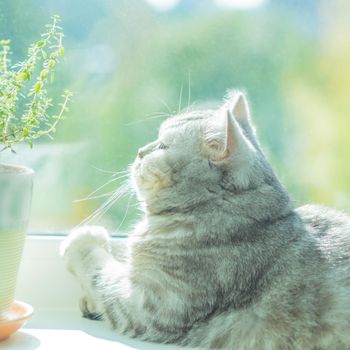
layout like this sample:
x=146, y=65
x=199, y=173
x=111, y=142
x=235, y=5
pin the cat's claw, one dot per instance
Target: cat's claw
x=88, y=309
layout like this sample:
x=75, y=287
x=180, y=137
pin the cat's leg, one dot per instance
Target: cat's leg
x=136, y=302
x=105, y=280
x=77, y=250
x=119, y=248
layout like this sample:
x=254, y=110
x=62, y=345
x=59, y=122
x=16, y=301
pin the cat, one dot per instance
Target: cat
x=221, y=258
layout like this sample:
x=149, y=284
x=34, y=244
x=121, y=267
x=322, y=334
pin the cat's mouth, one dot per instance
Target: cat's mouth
x=149, y=178
x=140, y=177
x=137, y=172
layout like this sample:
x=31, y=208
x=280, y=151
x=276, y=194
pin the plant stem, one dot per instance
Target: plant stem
x=59, y=117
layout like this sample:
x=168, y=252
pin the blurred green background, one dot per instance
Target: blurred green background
x=132, y=62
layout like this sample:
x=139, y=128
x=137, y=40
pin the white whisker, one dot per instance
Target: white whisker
x=93, y=197
x=180, y=99
x=148, y=117
x=108, y=171
x=97, y=214
x=123, y=173
x=104, y=185
x=164, y=104
x=120, y=175
x=126, y=212
x=189, y=90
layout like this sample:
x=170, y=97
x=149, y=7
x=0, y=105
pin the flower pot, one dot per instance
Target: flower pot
x=16, y=183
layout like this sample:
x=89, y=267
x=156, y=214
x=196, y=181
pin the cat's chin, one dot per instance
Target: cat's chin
x=140, y=185
x=148, y=180
x=139, y=180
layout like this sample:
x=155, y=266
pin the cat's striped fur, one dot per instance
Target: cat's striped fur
x=221, y=258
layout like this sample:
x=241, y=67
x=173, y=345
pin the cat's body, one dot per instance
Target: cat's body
x=221, y=258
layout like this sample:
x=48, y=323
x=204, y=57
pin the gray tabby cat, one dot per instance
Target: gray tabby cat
x=221, y=259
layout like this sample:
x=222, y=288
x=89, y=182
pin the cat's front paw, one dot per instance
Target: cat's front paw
x=81, y=241
x=89, y=309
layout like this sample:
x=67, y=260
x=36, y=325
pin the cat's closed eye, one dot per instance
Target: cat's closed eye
x=162, y=146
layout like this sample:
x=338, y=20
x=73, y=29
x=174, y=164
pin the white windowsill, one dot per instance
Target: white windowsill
x=44, y=283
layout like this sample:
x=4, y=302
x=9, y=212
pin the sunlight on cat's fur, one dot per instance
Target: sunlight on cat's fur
x=221, y=258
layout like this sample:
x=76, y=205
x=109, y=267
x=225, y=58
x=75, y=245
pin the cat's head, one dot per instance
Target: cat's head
x=198, y=155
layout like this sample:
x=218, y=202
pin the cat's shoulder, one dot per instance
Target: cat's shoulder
x=323, y=219
x=312, y=212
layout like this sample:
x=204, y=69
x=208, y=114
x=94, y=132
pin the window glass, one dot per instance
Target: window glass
x=132, y=63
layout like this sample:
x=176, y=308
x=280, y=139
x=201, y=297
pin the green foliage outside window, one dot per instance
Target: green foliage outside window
x=25, y=104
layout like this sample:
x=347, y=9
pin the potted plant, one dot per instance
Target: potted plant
x=25, y=115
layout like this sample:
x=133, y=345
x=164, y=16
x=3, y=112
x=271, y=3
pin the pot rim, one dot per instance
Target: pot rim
x=14, y=169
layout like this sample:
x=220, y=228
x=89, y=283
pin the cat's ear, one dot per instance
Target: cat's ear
x=237, y=103
x=226, y=141
x=240, y=109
